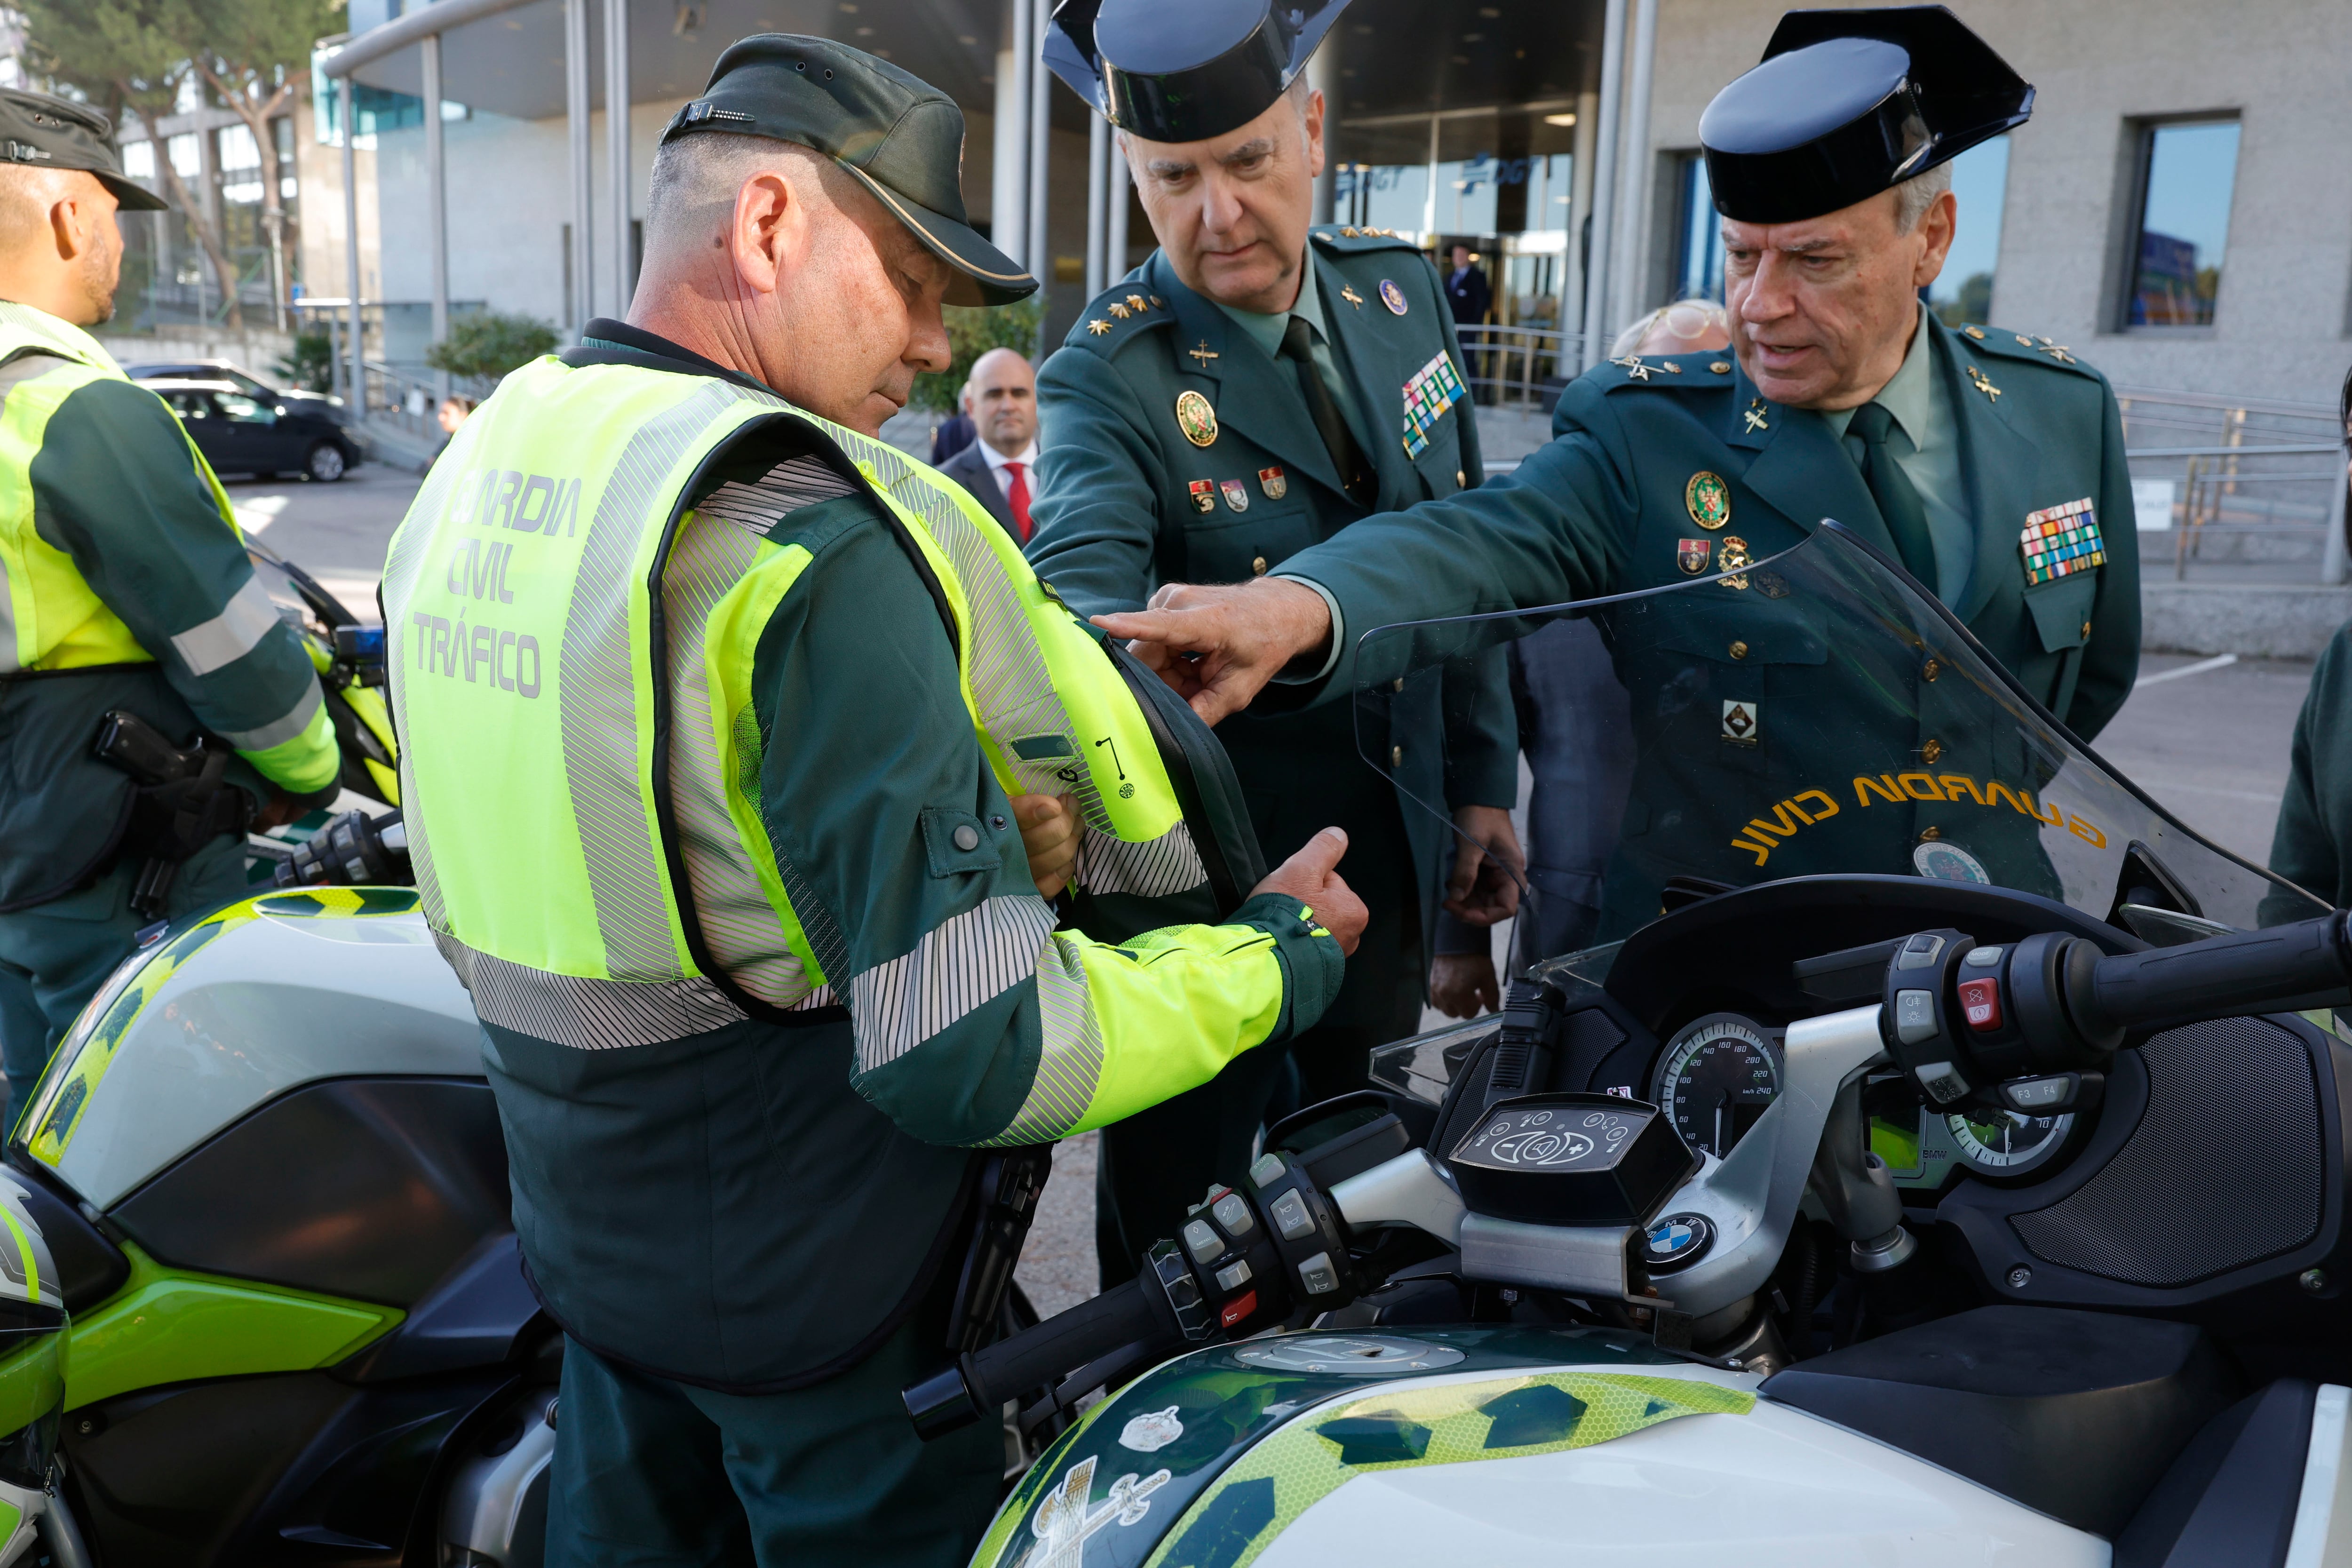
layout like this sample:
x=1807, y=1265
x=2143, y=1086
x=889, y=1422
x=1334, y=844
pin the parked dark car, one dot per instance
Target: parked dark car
x=240, y=433
x=294, y=398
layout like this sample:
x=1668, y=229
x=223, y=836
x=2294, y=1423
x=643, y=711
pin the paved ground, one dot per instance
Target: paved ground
x=2207, y=740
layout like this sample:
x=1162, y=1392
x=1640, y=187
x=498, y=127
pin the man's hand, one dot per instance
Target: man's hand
x=1308, y=878
x=1463, y=985
x=1218, y=646
x=1049, y=832
x=1484, y=889
x=282, y=809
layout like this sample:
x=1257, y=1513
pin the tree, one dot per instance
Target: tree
x=253, y=55
x=486, y=345
x=126, y=53
x=972, y=330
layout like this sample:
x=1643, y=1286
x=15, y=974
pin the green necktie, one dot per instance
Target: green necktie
x=1890, y=487
x=1298, y=347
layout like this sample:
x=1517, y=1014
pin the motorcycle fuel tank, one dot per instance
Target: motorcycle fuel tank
x=199, y=1029
x=1488, y=1443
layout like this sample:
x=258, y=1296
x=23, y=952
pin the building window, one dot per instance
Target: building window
x=2188, y=169
x=1963, y=290
x=1698, y=244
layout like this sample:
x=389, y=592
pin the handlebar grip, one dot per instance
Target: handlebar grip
x=1122, y=1316
x=2283, y=969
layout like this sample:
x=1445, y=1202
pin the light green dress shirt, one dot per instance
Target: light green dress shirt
x=1266, y=329
x=1927, y=448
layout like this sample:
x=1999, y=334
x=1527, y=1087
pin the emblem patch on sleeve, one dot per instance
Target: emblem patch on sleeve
x=1740, y=723
x=1432, y=390
x=2061, y=541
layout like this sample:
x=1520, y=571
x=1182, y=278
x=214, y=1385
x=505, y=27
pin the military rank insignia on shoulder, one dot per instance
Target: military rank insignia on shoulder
x=1112, y=318
x=2021, y=345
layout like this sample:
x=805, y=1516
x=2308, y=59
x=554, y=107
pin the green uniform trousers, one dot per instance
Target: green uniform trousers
x=651, y=1471
x=55, y=956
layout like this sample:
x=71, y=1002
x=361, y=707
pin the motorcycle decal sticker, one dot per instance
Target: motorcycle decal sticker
x=1949, y=863
x=1065, y=1521
x=1152, y=1431
x=1740, y=723
x=1273, y=483
x=1692, y=554
x=1264, y=1490
x=1763, y=834
x=1707, y=499
x=1236, y=494
x=2061, y=541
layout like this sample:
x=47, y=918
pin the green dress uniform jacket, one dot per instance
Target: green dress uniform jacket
x=1654, y=462
x=1127, y=501
x=2312, y=846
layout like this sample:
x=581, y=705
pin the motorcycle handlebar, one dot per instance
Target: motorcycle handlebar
x=984, y=1379
x=2282, y=969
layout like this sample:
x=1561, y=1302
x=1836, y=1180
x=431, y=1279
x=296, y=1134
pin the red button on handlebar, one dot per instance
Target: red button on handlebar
x=1980, y=1000
x=1237, y=1309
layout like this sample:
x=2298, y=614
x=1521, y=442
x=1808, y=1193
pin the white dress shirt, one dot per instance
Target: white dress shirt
x=996, y=461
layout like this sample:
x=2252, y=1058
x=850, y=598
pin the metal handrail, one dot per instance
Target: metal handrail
x=1495, y=343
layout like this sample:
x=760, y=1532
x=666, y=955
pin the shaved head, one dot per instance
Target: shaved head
x=61, y=250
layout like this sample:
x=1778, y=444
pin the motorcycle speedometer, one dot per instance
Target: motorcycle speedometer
x=1715, y=1078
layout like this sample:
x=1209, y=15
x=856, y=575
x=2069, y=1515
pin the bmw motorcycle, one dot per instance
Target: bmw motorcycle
x=1946, y=1164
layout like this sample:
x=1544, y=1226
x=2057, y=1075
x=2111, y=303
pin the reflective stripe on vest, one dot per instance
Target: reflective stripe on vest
x=51, y=617
x=522, y=658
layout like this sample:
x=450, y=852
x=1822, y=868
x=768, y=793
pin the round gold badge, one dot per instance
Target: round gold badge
x=1199, y=422
x=1709, y=499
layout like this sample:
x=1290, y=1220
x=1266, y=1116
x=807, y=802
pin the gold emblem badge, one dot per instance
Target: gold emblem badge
x=1348, y=292
x=1121, y=311
x=1730, y=557
x=1391, y=296
x=1196, y=419
x=1135, y=301
x=1691, y=554
x=1709, y=501
x=1098, y=326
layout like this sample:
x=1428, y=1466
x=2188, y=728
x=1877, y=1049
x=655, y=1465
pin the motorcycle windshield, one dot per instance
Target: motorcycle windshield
x=1811, y=713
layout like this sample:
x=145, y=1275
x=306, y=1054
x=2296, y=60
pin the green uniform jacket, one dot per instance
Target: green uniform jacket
x=2313, y=845
x=166, y=619
x=1605, y=509
x=1117, y=514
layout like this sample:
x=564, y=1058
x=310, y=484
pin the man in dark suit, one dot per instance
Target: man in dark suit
x=1467, y=292
x=1001, y=467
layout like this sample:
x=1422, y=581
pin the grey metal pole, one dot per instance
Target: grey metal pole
x=1040, y=256
x=1117, y=248
x=1009, y=205
x=575, y=109
x=437, y=203
x=1633, y=183
x=1098, y=202
x=1598, y=329
x=616, y=148
x=358, y=403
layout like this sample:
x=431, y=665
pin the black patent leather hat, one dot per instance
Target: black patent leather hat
x=1183, y=71
x=1846, y=104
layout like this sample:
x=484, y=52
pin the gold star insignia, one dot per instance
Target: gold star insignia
x=1346, y=234
x=1135, y=303
x=1121, y=311
x=1348, y=292
x=1098, y=326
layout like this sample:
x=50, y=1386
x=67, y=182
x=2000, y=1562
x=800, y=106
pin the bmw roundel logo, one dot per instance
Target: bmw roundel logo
x=1676, y=1241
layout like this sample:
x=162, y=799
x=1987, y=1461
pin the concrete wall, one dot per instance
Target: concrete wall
x=2283, y=325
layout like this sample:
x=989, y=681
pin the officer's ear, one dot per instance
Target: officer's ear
x=1310, y=115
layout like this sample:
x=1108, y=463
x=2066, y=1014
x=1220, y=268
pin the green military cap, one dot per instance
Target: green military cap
x=901, y=138
x=45, y=132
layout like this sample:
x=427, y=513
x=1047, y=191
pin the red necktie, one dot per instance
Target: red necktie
x=1016, y=496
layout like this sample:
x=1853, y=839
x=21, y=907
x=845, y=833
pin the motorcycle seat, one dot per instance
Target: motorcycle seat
x=2077, y=1414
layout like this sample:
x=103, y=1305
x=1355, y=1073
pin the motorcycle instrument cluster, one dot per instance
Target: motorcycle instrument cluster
x=1717, y=1078
x=2004, y=1143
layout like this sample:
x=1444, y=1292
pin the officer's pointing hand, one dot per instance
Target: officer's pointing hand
x=1218, y=646
x=1049, y=832
x=1309, y=877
